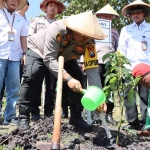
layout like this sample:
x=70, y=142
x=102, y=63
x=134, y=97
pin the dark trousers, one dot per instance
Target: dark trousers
x=102, y=71
x=131, y=109
x=72, y=67
x=34, y=73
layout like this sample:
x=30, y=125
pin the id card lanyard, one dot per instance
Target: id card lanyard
x=144, y=44
x=10, y=33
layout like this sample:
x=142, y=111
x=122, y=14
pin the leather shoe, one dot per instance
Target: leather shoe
x=79, y=122
x=131, y=127
x=111, y=120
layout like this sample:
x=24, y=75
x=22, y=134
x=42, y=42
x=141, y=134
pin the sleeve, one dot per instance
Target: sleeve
x=122, y=43
x=32, y=27
x=24, y=30
x=51, y=49
x=93, y=77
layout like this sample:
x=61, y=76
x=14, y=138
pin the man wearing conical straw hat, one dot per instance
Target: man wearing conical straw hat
x=68, y=38
x=107, y=13
x=13, y=44
x=134, y=43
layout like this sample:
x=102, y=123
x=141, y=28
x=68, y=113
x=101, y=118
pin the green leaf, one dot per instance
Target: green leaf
x=112, y=83
x=131, y=96
x=106, y=56
x=114, y=68
x=108, y=77
x=136, y=80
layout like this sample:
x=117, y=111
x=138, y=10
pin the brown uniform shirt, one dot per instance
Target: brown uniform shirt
x=53, y=42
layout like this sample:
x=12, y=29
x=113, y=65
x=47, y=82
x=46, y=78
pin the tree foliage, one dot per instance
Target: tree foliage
x=79, y=6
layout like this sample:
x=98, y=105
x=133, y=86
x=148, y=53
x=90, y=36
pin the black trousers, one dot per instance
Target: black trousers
x=102, y=71
x=72, y=67
x=131, y=110
x=34, y=73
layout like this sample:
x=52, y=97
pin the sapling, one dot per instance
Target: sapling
x=116, y=75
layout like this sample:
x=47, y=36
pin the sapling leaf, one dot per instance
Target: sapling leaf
x=131, y=96
x=108, y=77
x=106, y=56
x=136, y=80
x=114, y=68
x=112, y=83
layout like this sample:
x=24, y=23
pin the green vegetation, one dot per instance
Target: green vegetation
x=114, y=82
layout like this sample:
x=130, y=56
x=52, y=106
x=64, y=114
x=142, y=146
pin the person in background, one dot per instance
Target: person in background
x=107, y=13
x=142, y=70
x=134, y=45
x=69, y=38
x=51, y=8
x=22, y=13
x=13, y=48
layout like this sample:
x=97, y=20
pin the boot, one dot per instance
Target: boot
x=64, y=111
x=76, y=118
x=23, y=119
x=35, y=113
x=48, y=111
x=110, y=119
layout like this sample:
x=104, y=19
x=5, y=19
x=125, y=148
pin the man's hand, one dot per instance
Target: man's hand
x=75, y=85
x=102, y=108
x=23, y=60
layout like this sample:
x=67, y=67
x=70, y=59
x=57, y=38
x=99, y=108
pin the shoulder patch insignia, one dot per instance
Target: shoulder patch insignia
x=78, y=48
x=59, y=37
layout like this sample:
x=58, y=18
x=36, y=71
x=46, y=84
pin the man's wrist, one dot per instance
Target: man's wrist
x=24, y=53
x=68, y=79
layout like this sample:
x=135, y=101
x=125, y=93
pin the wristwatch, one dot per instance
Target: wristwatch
x=24, y=53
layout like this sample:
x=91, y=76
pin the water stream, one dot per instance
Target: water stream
x=109, y=136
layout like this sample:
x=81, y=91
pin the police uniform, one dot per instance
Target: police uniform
x=37, y=24
x=49, y=44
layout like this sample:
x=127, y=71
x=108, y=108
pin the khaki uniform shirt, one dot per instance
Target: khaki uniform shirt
x=39, y=23
x=53, y=42
x=103, y=49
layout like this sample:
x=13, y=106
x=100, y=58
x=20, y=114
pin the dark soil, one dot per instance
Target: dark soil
x=73, y=138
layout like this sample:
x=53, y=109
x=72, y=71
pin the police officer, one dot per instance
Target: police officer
x=68, y=38
x=51, y=8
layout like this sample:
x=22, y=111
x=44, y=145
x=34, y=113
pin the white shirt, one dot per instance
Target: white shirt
x=11, y=50
x=130, y=45
x=26, y=20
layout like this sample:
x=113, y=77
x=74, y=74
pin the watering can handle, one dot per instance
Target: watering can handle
x=83, y=91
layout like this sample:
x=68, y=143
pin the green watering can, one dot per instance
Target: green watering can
x=92, y=98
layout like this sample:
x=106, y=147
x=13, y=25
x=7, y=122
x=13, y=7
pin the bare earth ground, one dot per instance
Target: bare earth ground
x=71, y=138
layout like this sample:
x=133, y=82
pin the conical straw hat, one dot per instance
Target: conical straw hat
x=85, y=23
x=22, y=3
x=126, y=10
x=108, y=10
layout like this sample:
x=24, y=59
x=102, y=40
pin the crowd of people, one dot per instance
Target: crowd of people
x=29, y=54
